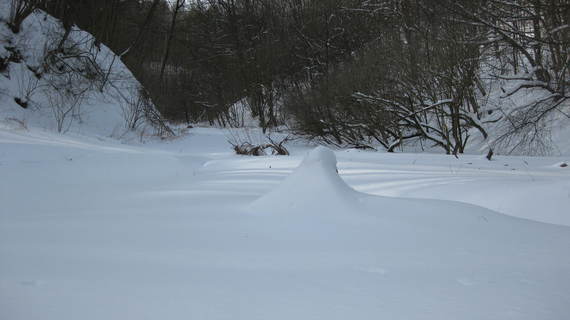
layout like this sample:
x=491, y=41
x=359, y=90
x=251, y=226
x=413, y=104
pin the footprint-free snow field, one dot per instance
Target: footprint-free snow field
x=185, y=230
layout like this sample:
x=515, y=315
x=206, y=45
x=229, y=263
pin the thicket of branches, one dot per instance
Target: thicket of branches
x=348, y=72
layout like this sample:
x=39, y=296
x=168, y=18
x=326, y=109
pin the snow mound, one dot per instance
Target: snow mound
x=314, y=187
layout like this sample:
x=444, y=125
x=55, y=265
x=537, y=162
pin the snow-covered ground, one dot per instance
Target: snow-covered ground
x=184, y=229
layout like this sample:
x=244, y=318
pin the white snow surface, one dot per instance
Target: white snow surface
x=184, y=229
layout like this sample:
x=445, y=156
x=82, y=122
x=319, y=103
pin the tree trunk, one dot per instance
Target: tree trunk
x=179, y=4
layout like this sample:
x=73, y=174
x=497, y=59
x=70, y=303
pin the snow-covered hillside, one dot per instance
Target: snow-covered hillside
x=501, y=109
x=185, y=229
x=74, y=85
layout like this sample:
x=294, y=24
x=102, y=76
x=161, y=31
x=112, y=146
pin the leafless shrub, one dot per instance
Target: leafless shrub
x=278, y=146
x=237, y=115
x=244, y=144
x=71, y=57
x=4, y=62
x=27, y=86
x=132, y=108
x=64, y=105
x=521, y=135
x=154, y=117
x=247, y=149
x=260, y=150
x=14, y=56
x=71, y=75
x=21, y=124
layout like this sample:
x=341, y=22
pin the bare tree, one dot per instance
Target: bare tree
x=176, y=7
x=537, y=35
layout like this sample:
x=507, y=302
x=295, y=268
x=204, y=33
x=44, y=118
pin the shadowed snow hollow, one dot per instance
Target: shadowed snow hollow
x=314, y=185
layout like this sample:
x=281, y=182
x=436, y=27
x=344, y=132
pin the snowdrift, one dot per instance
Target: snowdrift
x=314, y=186
x=315, y=189
x=314, y=192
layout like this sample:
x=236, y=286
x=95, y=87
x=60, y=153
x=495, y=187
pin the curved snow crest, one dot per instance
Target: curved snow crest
x=313, y=188
x=320, y=156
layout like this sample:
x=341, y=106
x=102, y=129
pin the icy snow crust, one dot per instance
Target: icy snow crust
x=186, y=230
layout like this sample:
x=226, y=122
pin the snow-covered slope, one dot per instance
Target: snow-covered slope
x=186, y=230
x=80, y=87
x=512, y=101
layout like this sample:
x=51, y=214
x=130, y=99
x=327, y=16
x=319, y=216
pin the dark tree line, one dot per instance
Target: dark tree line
x=348, y=72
